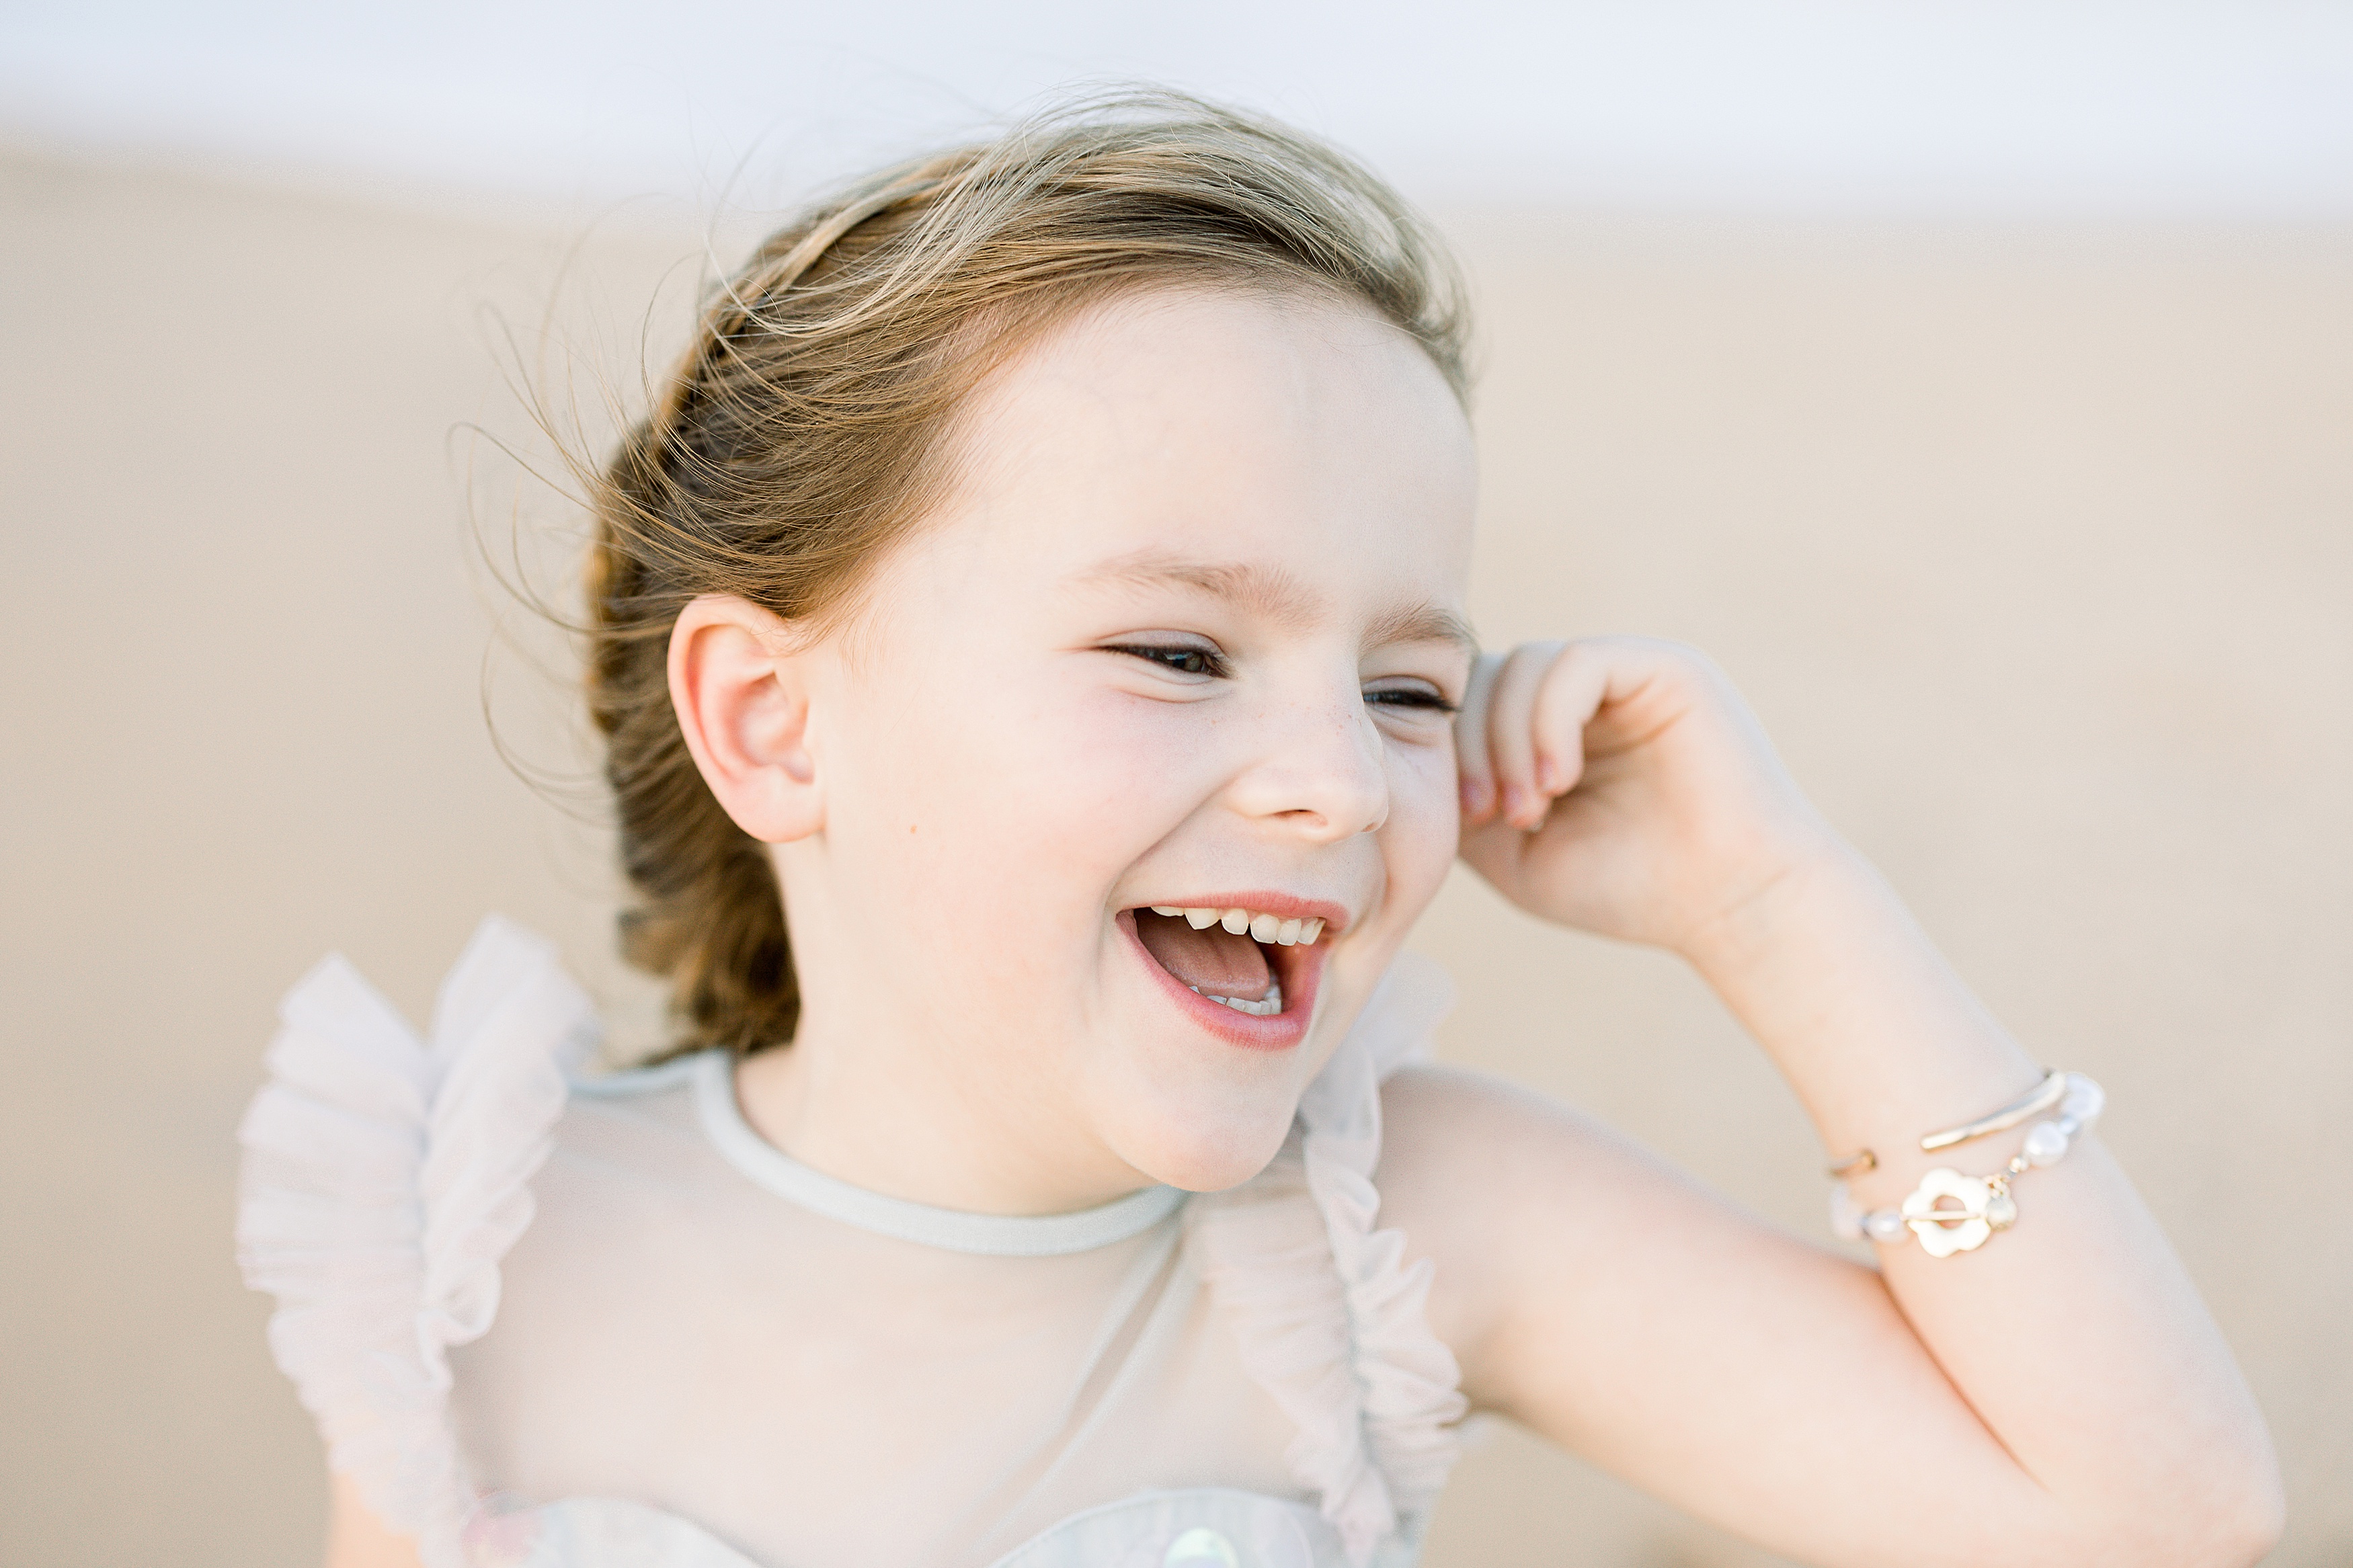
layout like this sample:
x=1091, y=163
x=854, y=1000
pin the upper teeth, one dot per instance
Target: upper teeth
x=1261, y=926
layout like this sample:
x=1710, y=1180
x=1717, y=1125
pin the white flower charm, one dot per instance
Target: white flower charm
x=1940, y=1237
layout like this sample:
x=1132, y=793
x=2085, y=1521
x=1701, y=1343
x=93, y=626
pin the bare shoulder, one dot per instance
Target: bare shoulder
x=1479, y=1172
x=1461, y=1148
x=1439, y=1121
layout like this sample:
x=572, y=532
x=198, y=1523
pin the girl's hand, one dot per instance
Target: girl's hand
x=1621, y=786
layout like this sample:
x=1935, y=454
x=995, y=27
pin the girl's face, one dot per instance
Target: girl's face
x=1185, y=636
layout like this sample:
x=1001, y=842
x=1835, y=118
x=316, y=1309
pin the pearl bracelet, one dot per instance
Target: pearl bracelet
x=1980, y=1206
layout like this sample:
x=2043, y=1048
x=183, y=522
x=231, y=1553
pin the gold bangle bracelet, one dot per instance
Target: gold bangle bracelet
x=2046, y=1094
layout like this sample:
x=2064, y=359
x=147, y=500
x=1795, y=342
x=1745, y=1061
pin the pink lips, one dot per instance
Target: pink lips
x=1298, y=968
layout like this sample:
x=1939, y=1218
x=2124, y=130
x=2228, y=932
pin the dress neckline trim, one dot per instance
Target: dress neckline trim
x=952, y=1230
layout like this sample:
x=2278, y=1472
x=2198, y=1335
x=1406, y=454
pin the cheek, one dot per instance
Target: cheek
x=1424, y=829
x=1088, y=779
x=1024, y=804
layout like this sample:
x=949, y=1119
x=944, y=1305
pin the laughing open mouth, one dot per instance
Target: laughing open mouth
x=1233, y=956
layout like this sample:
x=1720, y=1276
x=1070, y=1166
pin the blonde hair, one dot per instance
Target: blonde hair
x=800, y=435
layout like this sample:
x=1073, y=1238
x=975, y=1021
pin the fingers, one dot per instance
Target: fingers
x=1475, y=768
x=1575, y=686
x=1521, y=734
x=1502, y=772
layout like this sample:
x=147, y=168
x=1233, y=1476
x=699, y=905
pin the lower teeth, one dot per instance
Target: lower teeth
x=1267, y=1008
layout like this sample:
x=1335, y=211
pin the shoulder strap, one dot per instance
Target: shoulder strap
x=383, y=1180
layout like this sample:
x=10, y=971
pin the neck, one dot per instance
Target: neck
x=884, y=1108
x=893, y=1083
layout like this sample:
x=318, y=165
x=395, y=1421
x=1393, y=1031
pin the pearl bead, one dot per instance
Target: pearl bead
x=2001, y=1211
x=2045, y=1145
x=1885, y=1226
x=2085, y=1099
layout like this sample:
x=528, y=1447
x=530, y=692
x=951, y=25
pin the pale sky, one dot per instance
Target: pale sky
x=1935, y=106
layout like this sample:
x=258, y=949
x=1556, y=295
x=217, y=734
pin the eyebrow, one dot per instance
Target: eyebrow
x=1425, y=622
x=1279, y=597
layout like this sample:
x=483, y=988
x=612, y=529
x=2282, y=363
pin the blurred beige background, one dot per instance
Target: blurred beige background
x=2032, y=545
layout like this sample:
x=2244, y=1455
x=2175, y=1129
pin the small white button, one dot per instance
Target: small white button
x=1200, y=1548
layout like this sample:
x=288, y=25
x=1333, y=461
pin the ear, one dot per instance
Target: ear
x=742, y=696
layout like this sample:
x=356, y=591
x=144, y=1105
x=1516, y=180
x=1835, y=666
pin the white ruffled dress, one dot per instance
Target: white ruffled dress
x=598, y=1323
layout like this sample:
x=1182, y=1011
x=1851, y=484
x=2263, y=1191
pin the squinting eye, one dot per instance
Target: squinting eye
x=1183, y=660
x=1409, y=697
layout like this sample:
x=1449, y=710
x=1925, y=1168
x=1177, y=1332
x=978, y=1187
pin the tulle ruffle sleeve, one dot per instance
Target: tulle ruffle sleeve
x=385, y=1178
x=1331, y=1321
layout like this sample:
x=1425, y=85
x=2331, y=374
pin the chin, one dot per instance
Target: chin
x=1206, y=1154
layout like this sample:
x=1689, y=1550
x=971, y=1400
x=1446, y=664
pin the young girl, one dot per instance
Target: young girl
x=1031, y=647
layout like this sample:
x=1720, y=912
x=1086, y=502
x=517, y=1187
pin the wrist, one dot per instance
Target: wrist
x=1808, y=877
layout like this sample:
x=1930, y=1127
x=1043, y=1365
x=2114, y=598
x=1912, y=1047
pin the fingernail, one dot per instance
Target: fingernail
x=1515, y=803
x=1549, y=776
x=1475, y=797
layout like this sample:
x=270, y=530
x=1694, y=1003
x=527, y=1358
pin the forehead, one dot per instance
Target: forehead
x=1247, y=438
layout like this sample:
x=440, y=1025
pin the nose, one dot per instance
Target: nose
x=1320, y=770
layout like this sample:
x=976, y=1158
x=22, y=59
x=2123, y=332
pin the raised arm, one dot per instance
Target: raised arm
x=2058, y=1395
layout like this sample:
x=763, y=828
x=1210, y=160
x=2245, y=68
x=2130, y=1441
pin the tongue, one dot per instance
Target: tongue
x=1214, y=961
